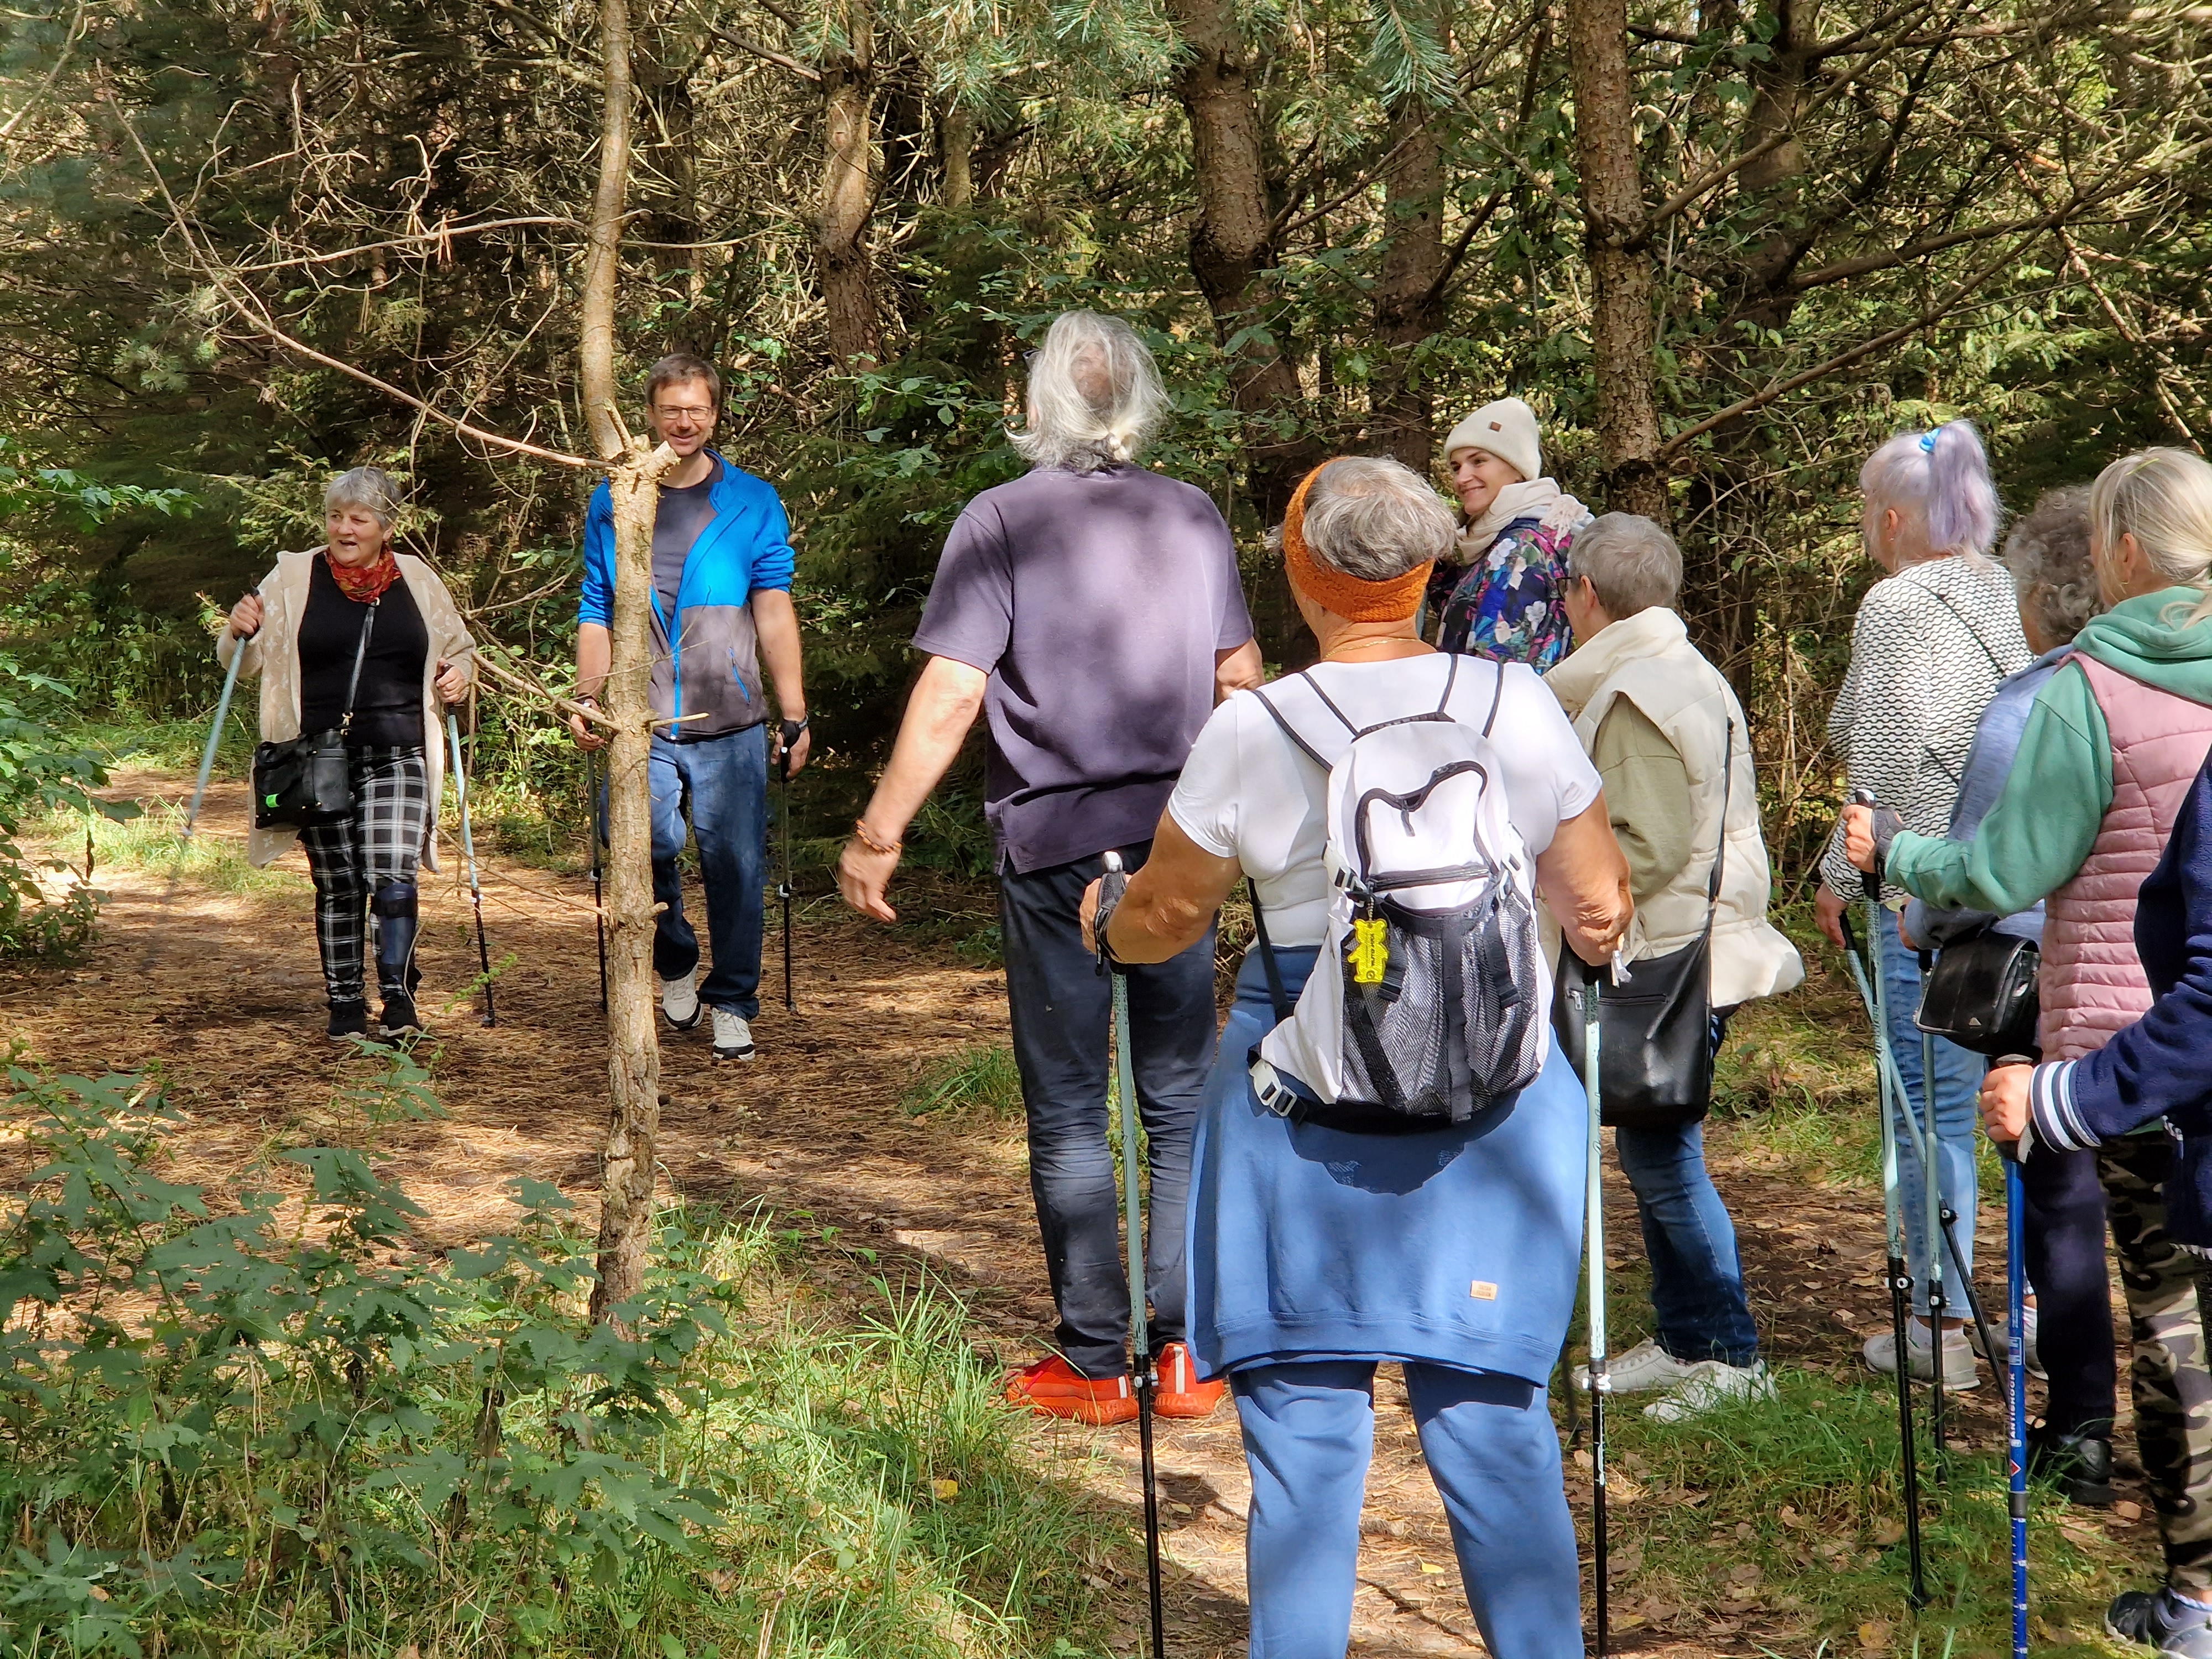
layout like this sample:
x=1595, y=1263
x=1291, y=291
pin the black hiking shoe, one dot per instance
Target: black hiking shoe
x=2161, y=1620
x=348, y=1020
x=400, y=1020
x=2079, y=1464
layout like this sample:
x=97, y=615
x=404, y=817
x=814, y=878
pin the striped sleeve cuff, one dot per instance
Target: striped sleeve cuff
x=2056, y=1120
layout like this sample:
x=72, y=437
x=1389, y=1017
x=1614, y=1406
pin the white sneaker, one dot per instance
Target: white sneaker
x=1712, y=1383
x=734, y=1037
x=1960, y=1372
x=2003, y=1336
x=679, y=1001
x=1643, y=1368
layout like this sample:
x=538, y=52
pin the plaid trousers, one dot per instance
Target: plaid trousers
x=376, y=844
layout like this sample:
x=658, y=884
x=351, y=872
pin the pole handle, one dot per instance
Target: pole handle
x=1869, y=883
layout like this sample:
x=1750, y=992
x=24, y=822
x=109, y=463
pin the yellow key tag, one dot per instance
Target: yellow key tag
x=1370, y=949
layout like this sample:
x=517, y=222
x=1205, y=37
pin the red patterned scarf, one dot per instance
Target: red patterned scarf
x=362, y=583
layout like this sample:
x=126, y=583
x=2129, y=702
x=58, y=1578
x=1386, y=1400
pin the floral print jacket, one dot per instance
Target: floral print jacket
x=1505, y=604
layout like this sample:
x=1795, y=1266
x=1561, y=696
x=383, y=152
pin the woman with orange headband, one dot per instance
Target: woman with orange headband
x=1318, y=1249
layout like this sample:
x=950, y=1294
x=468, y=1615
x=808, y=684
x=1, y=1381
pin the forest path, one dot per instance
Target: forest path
x=222, y=991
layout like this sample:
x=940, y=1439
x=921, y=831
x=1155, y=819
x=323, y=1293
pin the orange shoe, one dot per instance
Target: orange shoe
x=1180, y=1394
x=1055, y=1388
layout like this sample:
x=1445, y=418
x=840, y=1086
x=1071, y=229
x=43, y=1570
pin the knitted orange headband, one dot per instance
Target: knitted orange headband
x=1348, y=596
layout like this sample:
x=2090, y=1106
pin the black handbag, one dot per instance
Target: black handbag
x=1981, y=994
x=305, y=780
x=1655, y=1031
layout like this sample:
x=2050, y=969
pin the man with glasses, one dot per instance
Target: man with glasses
x=722, y=608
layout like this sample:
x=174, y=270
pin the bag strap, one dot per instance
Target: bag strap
x=360, y=651
x=1268, y=965
x=1944, y=600
x=1720, y=852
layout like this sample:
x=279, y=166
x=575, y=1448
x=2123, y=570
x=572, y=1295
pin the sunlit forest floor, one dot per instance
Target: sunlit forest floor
x=880, y=1129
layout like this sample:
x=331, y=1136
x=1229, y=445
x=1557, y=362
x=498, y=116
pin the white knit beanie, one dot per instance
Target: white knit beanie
x=1507, y=429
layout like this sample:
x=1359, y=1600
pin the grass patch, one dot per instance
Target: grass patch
x=153, y=841
x=275, y=1422
x=981, y=1078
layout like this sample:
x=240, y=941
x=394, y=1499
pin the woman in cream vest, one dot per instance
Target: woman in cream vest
x=1663, y=727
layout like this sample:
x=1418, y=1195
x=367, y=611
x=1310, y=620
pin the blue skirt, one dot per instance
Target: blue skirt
x=1457, y=1247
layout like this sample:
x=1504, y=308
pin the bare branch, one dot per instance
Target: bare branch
x=242, y=301
x=1782, y=388
x=766, y=54
x=54, y=74
x=442, y=234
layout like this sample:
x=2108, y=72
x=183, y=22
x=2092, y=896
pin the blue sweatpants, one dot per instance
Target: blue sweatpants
x=1491, y=1450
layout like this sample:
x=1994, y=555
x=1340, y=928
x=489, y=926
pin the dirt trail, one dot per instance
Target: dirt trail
x=224, y=993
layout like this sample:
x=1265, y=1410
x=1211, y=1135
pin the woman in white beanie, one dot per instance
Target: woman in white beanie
x=1502, y=599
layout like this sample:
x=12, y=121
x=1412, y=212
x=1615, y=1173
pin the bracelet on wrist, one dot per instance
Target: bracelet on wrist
x=873, y=842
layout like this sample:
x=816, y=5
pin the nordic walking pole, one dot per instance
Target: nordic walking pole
x=1139, y=1331
x=791, y=729
x=598, y=897
x=1931, y=1229
x=468, y=852
x=1900, y=1281
x=215, y=735
x=2016, y=1355
x=1599, y=1382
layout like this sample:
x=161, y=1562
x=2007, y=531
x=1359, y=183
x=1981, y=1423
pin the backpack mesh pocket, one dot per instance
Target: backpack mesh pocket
x=1450, y=1029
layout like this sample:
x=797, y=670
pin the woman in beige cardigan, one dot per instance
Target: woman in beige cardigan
x=302, y=630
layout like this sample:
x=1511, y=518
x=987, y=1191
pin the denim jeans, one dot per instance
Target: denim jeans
x=1957, y=1086
x=1062, y=1008
x=1490, y=1448
x=1697, y=1281
x=725, y=779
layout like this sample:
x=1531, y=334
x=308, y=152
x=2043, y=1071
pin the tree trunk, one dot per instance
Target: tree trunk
x=956, y=145
x=1232, y=244
x=1408, y=305
x=628, y=1160
x=848, y=193
x=1623, y=327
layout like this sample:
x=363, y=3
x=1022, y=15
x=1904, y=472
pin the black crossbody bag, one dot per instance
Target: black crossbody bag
x=1981, y=994
x=1655, y=1032
x=305, y=780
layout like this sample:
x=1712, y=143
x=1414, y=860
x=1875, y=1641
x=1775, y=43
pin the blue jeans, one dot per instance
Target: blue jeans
x=1958, y=1085
x=1490, y=1448
x=1062, y=1008
x=726, y=779
x=1697, y=1281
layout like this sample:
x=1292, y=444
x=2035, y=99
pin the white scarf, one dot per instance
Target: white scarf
x=1536, y=498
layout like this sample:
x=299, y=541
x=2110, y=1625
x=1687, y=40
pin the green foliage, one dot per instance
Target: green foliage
x=43, y=773
x=981, y=1078
x=271, y=1421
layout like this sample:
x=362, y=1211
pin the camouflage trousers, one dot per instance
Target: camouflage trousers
x=2169, y=1378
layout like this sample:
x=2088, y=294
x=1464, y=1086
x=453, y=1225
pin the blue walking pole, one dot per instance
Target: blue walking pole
x=214, y=736
x=1600, y=1381
x=2017, y=1310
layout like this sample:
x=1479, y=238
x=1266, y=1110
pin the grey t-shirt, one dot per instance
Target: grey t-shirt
x=1096, y=602
x=684, y=514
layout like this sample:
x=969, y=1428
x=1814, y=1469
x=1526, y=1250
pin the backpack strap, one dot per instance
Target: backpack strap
x=1720, y=852
x=1268, y=965
x=1290, y=731
x=1497, y=696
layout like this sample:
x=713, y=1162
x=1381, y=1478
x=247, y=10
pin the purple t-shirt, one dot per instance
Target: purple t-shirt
x=1095, y=601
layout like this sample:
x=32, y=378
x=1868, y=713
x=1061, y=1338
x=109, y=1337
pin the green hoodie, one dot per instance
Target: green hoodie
x=2040, y=833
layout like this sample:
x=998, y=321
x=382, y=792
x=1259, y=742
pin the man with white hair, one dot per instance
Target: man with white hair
x=1671, y=742
x=1091, y=611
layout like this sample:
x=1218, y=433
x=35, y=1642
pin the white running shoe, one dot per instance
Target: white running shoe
x=734, y=1037
x=679, y=1001
x=1960, y=1372
x=1712, y=1383
x=1644, y=1368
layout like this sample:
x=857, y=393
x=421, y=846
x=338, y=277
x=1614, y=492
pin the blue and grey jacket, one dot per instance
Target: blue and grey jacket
x=707, y=664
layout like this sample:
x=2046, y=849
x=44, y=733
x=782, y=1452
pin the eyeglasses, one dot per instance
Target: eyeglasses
x=668, y=414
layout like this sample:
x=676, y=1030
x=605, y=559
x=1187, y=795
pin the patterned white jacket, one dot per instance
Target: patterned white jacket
x=1929, y=647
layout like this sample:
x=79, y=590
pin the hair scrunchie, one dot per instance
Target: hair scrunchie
x=1348, y=597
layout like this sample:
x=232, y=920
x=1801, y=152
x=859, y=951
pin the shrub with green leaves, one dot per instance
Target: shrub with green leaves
x=42, y=773
x=273, y=1422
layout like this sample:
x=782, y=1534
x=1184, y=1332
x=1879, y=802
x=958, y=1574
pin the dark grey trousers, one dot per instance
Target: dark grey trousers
x=1062, y=1009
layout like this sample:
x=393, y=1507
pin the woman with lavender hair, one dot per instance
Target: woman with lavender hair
x=1933, y=639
